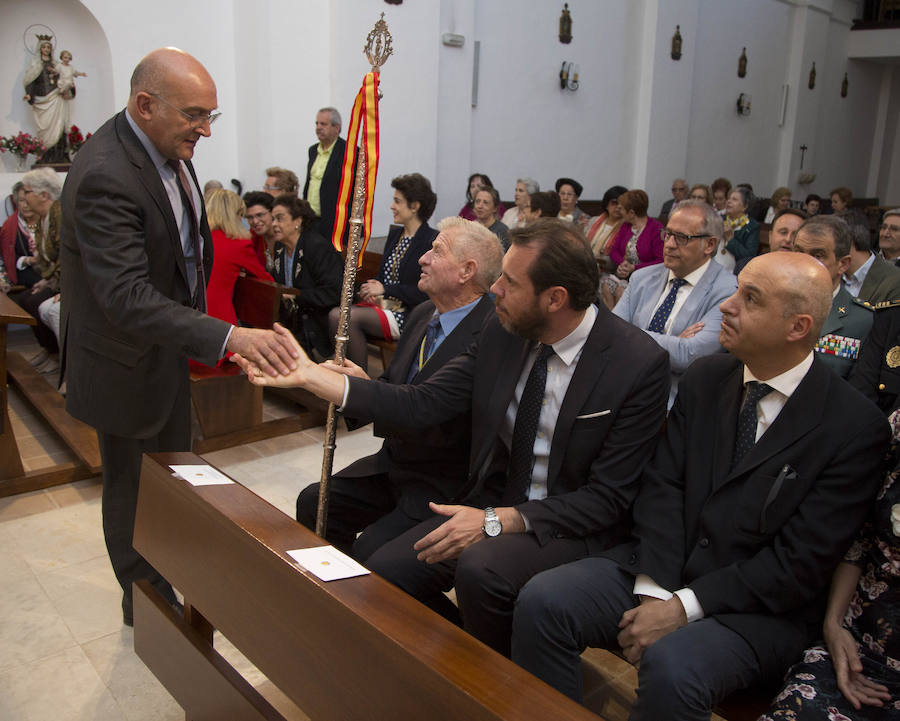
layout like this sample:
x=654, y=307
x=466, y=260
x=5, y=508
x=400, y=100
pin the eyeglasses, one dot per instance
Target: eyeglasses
x=195, y=120
x=890, y=228
x=680, y=238
x=269, y=188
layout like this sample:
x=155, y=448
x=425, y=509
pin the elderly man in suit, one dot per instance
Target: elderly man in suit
x=323, y=172
x=870, y=277
x=386, y=494
x=677, y=302
x=136, y=253
x=680, y=189
x=889, y=236
x=566, y=402
x=827, y=238
x=768, y=465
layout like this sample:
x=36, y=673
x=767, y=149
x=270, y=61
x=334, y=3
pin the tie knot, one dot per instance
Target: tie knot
x=544, y=353
x=435, y=321
x=678, y=282
x=174, y=164
x=756, y=391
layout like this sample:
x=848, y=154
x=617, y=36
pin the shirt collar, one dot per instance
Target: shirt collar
x=862, y=271
x=451, y=318
x=158, y=158
x=785, y=383
x=323, y=151
x=694, y=276
x=569, y=347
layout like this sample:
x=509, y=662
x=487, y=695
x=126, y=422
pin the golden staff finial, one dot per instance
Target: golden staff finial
x=378, y=45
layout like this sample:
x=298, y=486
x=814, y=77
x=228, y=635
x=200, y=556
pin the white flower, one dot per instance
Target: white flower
x=895, y=518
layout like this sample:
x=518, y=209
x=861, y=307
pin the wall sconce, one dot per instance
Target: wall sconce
x=743, y=104
x=568, y=76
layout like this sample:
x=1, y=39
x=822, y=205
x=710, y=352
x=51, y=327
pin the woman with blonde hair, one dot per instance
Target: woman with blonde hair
x=232, y=253
x=781, y=199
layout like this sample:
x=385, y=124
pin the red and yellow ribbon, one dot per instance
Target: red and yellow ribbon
x=365, y=113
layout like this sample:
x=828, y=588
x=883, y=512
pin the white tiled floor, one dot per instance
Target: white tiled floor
x=64, y=653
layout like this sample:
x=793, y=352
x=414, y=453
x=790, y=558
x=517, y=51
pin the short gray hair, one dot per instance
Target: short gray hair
x=43, y=180
x=712, y=222
x=531, y=185
x=892, y=211
x=476, y=242
x=335, y=115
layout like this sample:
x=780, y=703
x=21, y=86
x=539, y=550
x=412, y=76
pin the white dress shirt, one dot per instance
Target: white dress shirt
x=683, y=293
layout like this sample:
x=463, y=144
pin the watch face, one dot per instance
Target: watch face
x=492, y=527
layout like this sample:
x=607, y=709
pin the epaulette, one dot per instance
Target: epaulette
x=883, y=304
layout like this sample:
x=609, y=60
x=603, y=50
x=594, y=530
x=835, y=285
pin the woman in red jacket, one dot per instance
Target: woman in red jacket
x=638, y=242
x=232, y=253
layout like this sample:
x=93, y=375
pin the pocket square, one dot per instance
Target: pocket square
x=593, y=415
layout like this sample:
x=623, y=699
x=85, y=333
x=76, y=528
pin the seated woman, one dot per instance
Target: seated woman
x=569, y=192
x=701, y=192
x=306, y=261
x=385, y=300
x=486, y=202
x=17, y=241
x=233, y=252
x=720, y=188
x=741, y=231
x=638, y=242
x=515, y=217
x=602, y=229
x=781, y=199
x=855, y=673
x=476, y=181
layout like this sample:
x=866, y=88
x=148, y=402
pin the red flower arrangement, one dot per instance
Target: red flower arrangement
x=76, y=139
x=21, y=145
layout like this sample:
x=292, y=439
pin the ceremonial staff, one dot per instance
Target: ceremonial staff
x=365, y=114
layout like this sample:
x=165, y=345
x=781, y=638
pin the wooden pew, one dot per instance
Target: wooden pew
x=346, y=650
x=228, y=408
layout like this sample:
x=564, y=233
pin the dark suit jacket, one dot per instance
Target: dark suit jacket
x=127, y=328
x=407, y=289
x=757, y=552
x=606, y=429
x=876, y=373
x=882, y=282
x=425, y=464
x=330, y=187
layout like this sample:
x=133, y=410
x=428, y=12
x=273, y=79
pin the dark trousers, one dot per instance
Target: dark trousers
x=364, y=504
x=488, y=576
x=682, y=676
x=29, y=302
x=121, y=475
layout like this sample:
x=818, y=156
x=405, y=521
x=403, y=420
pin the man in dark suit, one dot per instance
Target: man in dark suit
x=135, y=253
x=827, y=238
x=889, y=236
x=566, y=401
x=323, y=171
x=677, y=301
x=386, y=494
x=768, y=465
x=680, y=189
x=870, y=277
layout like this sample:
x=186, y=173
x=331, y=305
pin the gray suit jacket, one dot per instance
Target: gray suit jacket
x=127, y=328
x=644, y=291
x=882, y=282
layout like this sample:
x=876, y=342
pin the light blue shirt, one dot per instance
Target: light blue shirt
x=449, y=321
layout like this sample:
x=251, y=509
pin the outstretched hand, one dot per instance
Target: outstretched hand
x=272, y=355
x=348, y=369
x=857, y=688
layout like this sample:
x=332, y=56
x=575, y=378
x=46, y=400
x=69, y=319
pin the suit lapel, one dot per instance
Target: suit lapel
x=466, y=331
x=656, y=285
x=839, y=308
x=149, y=177
x=728, y=405
x=588, y=372
x=697, y=299
x=406, y=356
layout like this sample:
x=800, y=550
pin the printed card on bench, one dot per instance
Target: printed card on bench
x=328, y=563
x=201, y=475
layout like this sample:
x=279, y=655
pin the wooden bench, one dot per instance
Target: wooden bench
x=352, y=649
x=50, y=405
x=228, y=408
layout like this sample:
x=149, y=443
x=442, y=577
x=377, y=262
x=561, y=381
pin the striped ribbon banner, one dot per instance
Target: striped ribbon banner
x=365, y=114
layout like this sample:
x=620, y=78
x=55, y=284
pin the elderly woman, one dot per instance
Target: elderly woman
x=280, y=181
x=840, y=204
x=701, y=192
x=304, y=260
x=637, y=243
x=39, y=273
x=476, y=181
x=603, y=228
x=233, y=253
x=17, y=241
x=386, y=299
x=720, y=188
x=515, y=217
x=569, y=192
x=855, y=673
x=781, y=199
x=486, y=202
x=741, y=231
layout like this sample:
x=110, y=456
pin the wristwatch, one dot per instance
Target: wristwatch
x=492, y=526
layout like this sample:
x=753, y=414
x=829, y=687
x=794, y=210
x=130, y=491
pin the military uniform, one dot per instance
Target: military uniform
x=843, y=332
x=877, y=370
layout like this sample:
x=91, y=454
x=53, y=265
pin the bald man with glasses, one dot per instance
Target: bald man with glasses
x=677, y=302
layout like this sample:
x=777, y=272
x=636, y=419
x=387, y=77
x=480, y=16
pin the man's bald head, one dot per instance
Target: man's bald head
x=172, y=97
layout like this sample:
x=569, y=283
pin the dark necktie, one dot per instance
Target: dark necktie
x=747, y=420
x=426, y=347
x=521, y=452
x=198, y=286
x=661, y=316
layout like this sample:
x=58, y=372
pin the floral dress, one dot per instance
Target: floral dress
x=873, y=618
